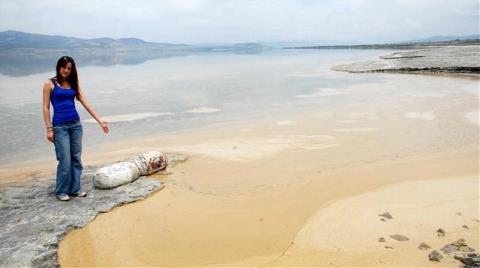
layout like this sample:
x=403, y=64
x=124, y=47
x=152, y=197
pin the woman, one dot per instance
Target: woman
x=66, y=130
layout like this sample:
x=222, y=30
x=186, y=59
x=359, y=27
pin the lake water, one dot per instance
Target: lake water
x=179, y=93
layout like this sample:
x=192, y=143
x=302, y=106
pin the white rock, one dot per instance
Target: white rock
x=129, y=170
x=149, y=162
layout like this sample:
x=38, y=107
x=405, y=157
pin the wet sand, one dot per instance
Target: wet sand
x=209, y=219
x=302, y=190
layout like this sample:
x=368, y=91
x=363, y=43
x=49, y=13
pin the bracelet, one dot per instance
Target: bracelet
x=49, y=127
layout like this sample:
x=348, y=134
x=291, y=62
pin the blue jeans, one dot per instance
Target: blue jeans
x=68, y=149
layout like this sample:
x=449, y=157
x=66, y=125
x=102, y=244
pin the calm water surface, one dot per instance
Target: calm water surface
x=178, y=93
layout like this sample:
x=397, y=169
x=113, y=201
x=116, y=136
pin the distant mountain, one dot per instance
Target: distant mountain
x=16, y=39
x=443, y=38
x=24, y=53
x=239, y=48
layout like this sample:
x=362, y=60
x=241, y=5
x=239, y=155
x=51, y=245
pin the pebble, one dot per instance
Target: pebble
x=440, y=232
x=423, y=246
x=399, y=237
x=386, y=215
x=435, y=256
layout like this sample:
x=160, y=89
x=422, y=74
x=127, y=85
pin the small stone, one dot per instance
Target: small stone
x=471, y=261
x=435, y=256
x=457, y=246
x=389, y=247
x=459, y=213
x=423, y=246
x=447, y=249
x=441, y=232
x=465, y=226
x=466, y=249
x=399, y=237
x=381, y=239
x=386, y=215
x=382, y=219
x=459, y=243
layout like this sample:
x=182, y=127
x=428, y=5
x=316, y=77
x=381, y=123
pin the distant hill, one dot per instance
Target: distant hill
x=400, y=45
x=24, y=53
x=443, y=38
x=16, y=39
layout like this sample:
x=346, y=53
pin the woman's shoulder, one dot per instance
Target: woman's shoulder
x=48, y=83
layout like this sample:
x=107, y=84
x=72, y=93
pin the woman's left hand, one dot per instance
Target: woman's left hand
x=104, y=125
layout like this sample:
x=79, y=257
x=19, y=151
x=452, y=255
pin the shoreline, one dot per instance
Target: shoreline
x=462, y=62
x=272, y=216
x=253, y=186
x=263, y=186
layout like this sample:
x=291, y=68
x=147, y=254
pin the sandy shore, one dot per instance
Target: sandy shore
x=202, y=220
x=303, y=190
x=299, y=190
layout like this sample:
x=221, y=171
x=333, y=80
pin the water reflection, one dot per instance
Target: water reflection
x=177, y=92
x=22, y=62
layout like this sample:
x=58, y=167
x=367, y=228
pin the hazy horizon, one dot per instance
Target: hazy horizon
x=225, y=22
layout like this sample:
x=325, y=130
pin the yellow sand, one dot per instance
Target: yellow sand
x=299, y=190
x=260, y=193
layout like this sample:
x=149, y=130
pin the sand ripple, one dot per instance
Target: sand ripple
x=472, y=117
x=322, y=92
x=127, y=117
x=255, y=148
x=203, y=110
x=420, y=115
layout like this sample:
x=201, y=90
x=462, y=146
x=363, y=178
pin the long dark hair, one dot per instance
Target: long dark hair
x=73, y=77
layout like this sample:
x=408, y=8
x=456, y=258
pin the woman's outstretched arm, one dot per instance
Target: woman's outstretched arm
x=83, y=100
x=47, y=87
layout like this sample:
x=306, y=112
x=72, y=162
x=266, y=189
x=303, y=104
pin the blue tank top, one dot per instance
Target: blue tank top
x=63, y=104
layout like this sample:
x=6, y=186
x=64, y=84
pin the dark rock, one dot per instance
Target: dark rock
x=435, y=256
x=459, y=243
x=399, y=237
x=449, y=249
x=381, y=239
x=31, y=230
x=386, y=215
x=457, y=246
x=441, y=232
x=465, y=226
x=423, y=246
x=389, y=247
x=472, y=259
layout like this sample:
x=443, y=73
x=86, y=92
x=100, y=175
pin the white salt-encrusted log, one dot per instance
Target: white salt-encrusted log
x=129, y=170
x=150, y=162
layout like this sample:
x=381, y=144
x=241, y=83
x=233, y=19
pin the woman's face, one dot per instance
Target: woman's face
x=65, y=71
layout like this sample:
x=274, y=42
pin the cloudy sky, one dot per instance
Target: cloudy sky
x=230, y=21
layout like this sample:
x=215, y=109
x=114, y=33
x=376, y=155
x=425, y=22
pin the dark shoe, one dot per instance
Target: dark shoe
x=80, y=194
x=63, y=197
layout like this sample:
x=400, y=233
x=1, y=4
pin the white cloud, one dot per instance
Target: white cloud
x=192, y=21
